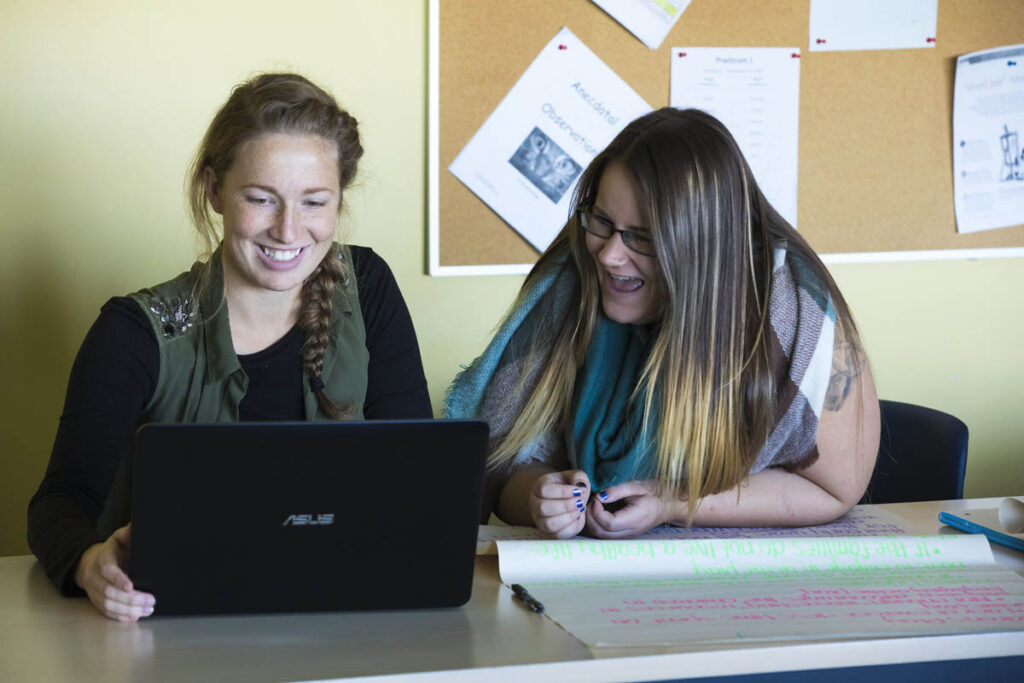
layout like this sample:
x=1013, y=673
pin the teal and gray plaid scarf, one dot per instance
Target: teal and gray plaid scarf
x=605, y=441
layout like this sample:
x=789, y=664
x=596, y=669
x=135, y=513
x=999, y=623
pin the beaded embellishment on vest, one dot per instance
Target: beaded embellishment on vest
x=174, y=314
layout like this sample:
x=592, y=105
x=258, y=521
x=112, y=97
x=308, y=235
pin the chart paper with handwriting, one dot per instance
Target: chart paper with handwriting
x=661, y=592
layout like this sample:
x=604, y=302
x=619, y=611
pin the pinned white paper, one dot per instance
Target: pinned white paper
x=988, y=139
x=872, y=24
x=526, y=159
x=755, y=92
x=648, y=20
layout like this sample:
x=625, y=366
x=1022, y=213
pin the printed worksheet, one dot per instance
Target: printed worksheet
x=863, y=520
x=657, y=592
x=648, y=20
x=872, y=24
x=526, y=159
x=755, y=92
x=988, y=139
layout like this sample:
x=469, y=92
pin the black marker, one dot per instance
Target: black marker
x=527, y=599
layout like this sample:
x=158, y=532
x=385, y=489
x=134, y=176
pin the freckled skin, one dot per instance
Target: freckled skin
x=282, y=193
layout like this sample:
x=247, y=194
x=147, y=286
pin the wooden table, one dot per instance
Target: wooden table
x=45, y=637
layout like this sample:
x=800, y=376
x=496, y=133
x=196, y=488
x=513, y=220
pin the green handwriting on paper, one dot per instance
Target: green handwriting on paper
x=741, y=556
x=853, y=561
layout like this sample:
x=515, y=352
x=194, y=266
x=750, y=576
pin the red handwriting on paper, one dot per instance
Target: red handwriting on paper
x=929, y=605
x=678, y=620
x=695, y=602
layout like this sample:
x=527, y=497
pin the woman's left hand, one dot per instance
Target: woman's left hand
x=637, y=508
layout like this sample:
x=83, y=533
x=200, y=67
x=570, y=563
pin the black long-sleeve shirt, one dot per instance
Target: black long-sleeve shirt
x=114, y=376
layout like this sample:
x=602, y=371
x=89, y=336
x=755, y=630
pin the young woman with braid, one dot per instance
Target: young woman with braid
x=279, y=322
x=678, y=355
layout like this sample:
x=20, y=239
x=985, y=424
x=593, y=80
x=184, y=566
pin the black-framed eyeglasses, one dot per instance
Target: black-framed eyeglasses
x=602, y=227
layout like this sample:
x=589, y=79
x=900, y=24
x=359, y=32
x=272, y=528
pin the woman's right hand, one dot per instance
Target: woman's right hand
x=558, y=503
x=101, y=575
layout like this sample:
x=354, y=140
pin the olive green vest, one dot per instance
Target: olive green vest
x=201, y=379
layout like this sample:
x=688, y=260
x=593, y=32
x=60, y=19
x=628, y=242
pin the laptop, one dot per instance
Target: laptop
x=294, y=517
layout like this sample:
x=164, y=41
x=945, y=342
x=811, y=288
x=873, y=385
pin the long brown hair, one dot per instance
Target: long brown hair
x=280, y=103
x=707, y=379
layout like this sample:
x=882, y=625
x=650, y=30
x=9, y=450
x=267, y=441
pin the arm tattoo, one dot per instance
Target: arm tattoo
x=847, y=361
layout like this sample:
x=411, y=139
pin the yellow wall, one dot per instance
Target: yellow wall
x=103, y=101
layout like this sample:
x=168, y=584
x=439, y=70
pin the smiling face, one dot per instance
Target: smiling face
x=629, y=282
x=279, y=202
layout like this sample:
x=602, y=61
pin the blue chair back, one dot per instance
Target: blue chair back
x=922, y=455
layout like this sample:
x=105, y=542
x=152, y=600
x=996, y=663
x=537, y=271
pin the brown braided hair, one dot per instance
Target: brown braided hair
x=314, y=319
x=280, y=103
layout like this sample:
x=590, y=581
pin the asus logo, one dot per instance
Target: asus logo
x=309, y=520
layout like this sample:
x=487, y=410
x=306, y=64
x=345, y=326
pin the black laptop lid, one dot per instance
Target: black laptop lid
x=269, y=517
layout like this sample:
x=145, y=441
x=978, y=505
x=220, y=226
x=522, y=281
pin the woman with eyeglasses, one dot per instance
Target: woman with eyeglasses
x=678, y=355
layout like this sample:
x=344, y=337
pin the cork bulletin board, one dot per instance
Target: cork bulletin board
x=875, y=147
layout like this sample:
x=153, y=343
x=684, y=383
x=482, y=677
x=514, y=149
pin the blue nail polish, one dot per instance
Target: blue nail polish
x=603, y=495
x=577, y=492
x=579, y=504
